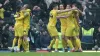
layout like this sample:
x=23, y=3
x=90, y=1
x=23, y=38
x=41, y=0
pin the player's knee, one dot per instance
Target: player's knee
x=55, y=37
x=63, y=37
x=20, y=37
x=66, y=38
x=77, y=36
x=74, y=38
x=24, y=38
x=16, y=37
x=69, y=38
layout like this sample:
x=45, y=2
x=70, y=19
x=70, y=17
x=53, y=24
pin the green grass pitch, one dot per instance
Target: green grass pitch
x=51, y=54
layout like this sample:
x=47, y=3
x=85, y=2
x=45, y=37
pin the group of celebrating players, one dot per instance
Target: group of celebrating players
x=21, y=28
x=70, y=27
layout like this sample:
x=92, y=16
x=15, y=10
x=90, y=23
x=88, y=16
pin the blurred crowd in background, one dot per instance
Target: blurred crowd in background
x=39, y=37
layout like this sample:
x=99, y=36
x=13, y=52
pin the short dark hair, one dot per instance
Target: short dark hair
x=54, y=5
x=18, y=8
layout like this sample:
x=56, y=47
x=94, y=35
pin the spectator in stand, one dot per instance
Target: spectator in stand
x=44, y=10
x=36, y=13
x=2, y=1
x=44, y=39
x=41, y=25
x=7, y=6
x=54, y=2
x=8, y=9
x=19, y=3
x=87, y=20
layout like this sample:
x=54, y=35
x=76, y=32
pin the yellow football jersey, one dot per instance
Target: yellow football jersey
x=52, y=18
x=76, y=20
x=19, y=19
x=70, y=20
x=18, y=27
x=63, y=20
x=27, y=18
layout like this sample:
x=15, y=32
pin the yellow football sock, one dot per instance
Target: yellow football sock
x=19, y=42
x=64, y=43
x=25, y=45
x=70, y=44
x=14, y=42
x=51, y=44
x=74, y=44
x=28, y=46
x=78, y=43
x=56, y=44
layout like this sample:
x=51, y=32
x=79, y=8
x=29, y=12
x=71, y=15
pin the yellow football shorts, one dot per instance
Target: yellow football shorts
x=77, y=31
x=70, y=31
x=18, y=31
x=63, y=30
x=52, y=31
x=26, y=30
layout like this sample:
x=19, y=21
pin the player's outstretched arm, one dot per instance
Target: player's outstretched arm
x=62, y=11
x=80, y=11
x=59, y=17
x=66, y=10
x=64, y=16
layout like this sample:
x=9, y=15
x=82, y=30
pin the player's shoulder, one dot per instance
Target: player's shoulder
x=75, y=11
x=53, y=11
x=28, y=10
